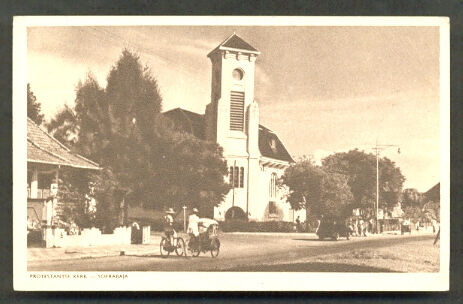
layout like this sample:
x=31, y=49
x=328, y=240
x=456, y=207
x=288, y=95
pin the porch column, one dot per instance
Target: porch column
x=34, y=183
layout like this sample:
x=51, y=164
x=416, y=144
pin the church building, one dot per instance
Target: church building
x=255, y=156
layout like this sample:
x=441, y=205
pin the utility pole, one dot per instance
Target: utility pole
x=378, y=149
x=184, y=218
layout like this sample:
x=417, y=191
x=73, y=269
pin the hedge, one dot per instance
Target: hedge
x=244, y=226
x=228, y=226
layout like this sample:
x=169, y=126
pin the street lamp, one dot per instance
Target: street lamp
x=378, y=149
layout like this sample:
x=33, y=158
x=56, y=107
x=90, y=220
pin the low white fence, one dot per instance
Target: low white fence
x=92, y=237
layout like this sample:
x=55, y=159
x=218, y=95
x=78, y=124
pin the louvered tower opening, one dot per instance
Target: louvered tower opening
x=237, y=111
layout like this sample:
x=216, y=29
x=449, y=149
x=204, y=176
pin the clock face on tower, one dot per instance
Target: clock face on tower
x=237, y=74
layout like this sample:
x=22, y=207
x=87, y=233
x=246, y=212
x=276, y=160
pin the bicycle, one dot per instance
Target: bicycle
x=166, y=247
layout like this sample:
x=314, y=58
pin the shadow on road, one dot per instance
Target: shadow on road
x=170, y=257
x=318, y=240
x=311, y=267
x=155, y=256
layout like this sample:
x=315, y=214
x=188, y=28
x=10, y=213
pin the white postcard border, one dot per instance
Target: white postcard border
x=219, y=281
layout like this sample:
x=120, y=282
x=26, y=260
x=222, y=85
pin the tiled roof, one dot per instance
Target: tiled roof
x=235, y=42
x=44, y=148
x=433, y=194
x=269, y=144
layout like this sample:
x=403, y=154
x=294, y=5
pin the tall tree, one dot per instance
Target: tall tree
x=146, y=162
x=360, y=169
x=316, y=190
x=190, y=172
x=33, y=107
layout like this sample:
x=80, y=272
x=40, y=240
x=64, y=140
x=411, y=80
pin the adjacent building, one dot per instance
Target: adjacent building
x=46, y=157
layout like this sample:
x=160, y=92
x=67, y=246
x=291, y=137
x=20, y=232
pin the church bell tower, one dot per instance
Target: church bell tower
x=232, y=117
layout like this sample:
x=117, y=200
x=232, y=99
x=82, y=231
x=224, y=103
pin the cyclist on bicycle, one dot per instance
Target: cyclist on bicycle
x=169, y=230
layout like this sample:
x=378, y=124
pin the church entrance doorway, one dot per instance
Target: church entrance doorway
x=235, y=213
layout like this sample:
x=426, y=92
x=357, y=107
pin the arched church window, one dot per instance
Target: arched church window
x=236, y=177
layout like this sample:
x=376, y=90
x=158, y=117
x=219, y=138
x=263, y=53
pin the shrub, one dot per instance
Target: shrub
x=244, y=226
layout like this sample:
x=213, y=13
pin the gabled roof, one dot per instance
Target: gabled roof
x=234, y=42
x=187, y=121
x=433, y=194
x=44, y=148
x=269, y=144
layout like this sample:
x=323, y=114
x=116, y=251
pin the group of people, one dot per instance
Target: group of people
x=361, y=227
x=196, y=228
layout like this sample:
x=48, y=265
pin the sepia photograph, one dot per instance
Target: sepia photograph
x=234, y=153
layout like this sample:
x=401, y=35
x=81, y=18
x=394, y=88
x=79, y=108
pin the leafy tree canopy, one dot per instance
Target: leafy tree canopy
x=33, y=107
x=317, y=190
x=412, y=198
x=360, y=169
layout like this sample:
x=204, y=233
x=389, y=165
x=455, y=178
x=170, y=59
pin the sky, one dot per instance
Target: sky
x=321, y=89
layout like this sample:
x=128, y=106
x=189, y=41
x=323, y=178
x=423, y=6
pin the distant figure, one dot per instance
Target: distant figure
x=350, y=228
x=169, y=230
x=365, y=228
x=417, y=225
x=373, y=228
x=298, y=224
x=360, y=227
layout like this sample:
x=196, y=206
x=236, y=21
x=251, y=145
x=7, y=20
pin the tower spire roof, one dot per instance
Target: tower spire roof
x=235, y=43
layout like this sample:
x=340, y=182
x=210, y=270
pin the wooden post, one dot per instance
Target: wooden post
x=34, y=183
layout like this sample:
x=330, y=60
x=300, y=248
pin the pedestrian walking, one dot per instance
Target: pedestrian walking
x=365, y=228
x=360, y=227
x=298, y=224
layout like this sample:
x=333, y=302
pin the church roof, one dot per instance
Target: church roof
x=187, y=121
x=236, y=43
x=269, y=144
x=44, y=148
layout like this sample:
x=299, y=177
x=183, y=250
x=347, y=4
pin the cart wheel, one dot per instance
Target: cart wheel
x=194, y=249
x=180, y=248
x=164, y=247
x=215, y=248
